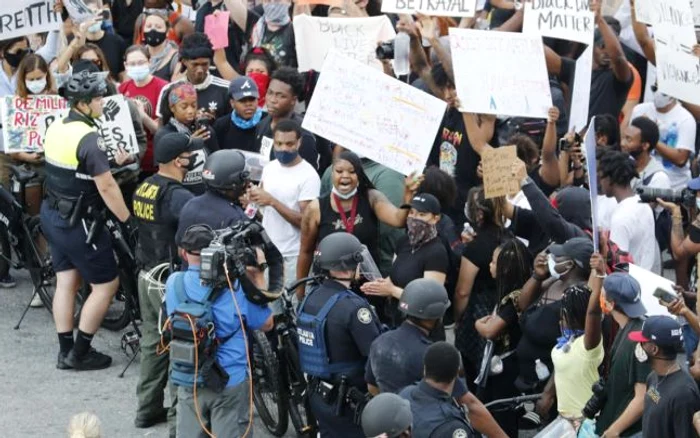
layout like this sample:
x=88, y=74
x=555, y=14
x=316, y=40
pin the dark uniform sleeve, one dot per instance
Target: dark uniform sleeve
x=364, y=326
x=92, y=159
x=176, y=200
x=369, y=374
x=454, y=428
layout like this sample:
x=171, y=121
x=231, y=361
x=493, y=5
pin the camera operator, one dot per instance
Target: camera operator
x=336, y=328
x=227, y=412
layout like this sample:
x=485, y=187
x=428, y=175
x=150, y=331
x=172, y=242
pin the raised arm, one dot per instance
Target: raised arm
x=386, y=211
x=480, y=130
x=594, y=315
x=239, y=13
x=428, y=30
x=642, y=37
x=620, y=67
x=550, y=164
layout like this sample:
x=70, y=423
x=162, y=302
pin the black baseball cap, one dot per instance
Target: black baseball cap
x=663, y=331
x=196, y=237
x=579, y=249
x=171, y=145
x=243, y=87
x=625, y=291
x=425, y=203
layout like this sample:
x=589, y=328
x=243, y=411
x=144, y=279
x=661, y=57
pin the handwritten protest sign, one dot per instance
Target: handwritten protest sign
x=678, y=74
x=673, y=24
x=78, y=10
x=442, y=8
x=22, y=121
x=695, y=5
x=497, y=166
x=355, y=38
x=589, y=147
x=24, y=17
x=568, y=20
x=643, y=10
x=580, y=97
x=216, y=28
x=373, y=114
x=500, y=73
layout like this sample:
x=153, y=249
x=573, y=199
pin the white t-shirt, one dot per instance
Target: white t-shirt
x=632, y=229
x=290, y=186
x=677, y=130
x=604, y=209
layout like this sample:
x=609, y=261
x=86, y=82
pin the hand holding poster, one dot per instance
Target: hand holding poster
x=497, y=167
x=23, y=17
x=23, y=121
x=500, y=73
x=569, y=20
x=678, y=74
x=439, y=8
x=356, y=38
x=216, y=28
x=375, y=115
x=581, y=94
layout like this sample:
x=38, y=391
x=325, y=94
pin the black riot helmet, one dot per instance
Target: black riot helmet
x=339, y=252
x=424, y=298
x=226, y=170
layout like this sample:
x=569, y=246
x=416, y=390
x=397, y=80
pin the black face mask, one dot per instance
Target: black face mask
x=154, y=38
x=15, y=58
x=636, y=154
x=191, y=163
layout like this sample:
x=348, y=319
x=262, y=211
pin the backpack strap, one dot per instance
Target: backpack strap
x=647, y=180
x=179, y=286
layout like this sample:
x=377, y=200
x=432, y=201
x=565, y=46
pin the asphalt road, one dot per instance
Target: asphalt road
x=37, y=400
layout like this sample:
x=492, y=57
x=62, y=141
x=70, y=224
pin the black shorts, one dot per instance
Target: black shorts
x=96, y=263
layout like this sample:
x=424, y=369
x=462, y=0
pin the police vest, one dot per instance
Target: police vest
x=156, y=243
x=434, y=413
x=65, y=175
x=313, y=347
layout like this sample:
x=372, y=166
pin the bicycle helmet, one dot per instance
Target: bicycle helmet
x=225, y=170
x=339, y=252
x=85, y=86
x=424, y=298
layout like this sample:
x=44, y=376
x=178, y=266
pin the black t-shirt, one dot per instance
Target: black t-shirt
x=608, y=95
x=113, y=47
x=540, y=330
x=281, y=45
x=669, y=405
x=124, y=17
x=410, y=265
x=480, y=252
x=237, y=38
x=508, y=340
x=230, y=136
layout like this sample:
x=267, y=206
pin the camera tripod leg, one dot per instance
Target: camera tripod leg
x=26, y=309
x=121, y=375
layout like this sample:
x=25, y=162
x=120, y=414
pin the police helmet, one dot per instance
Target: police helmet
x=387, y=413
x=225, y=170
x=339, y=252
x=424, y=298
x=85, y=86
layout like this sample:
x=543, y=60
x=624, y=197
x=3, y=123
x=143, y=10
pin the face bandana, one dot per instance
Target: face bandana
x=262, y=81
x=419, y=232
x=276, y=14
x=242, y=123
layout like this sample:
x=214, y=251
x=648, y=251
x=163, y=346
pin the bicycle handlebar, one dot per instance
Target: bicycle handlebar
x=518, y=399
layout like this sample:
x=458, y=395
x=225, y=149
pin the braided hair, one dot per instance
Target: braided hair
x=574, y=305
x=513, y=267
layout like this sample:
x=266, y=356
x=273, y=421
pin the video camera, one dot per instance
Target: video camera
x=683, y=197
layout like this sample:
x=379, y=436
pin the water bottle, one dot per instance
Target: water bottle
x=541, y=370
x=671, y=141
x=402, y=44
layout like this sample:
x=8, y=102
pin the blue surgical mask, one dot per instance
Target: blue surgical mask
x=138, y=72
x=95, y=27
x=286, y=157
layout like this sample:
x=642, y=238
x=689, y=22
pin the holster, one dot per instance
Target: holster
x=69, y=208
x=214, y=375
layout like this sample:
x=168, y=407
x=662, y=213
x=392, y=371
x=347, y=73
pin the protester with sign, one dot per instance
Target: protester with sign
x=163, y=52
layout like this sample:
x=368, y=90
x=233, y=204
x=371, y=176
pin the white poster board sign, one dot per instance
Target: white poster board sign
x=589, y=147
x=649, y=282
x=573, y=21
x=678, y=74
x=581, y=94
x=500, y=73
x=440, y=8
x=24, y=17
x=373, y=114
x=673, y=24
x=356, y=38
x=695, y=5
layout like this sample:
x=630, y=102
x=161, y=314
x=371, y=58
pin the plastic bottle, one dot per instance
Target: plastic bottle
x=401, y=48
x=541, y=370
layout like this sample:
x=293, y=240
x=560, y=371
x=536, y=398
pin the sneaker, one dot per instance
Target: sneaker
x=143, y=422
x=36, y=301
x=61, y=363
x=93, y=360
x=8, y=282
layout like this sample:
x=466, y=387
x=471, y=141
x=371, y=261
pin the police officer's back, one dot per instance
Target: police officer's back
x=336, y=328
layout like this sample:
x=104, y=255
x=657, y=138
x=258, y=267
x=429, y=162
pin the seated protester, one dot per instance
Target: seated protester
x=625, y=386
x=387, y=415
x=164, y=57
x=511, y=267
x=274, y=31
x=632, y=223
x=420, y=254
x=579, y=351
x=677, y=130
x=640, y=140
x=179, y=116
x=112, y=45
x=222, y=412
x=237, y=130
x=475, y=294
x=673, y=397
x=196, y=53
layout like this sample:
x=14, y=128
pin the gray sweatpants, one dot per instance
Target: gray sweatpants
x=225, y=414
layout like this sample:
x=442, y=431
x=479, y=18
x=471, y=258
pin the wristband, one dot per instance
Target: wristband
x=538, y=278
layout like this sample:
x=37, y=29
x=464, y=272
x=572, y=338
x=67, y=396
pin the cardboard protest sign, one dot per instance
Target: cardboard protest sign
x=23, y=121
x=78, y=10
x=24, y=17
x=568, y=20
x=500, y=73
x=355, y=38
x=497, y=165
x=581, y=94
x=589, y=147
x=441, y=8
x=216, y=28
x=649, y=282
x=373, y=114
x=678, y=74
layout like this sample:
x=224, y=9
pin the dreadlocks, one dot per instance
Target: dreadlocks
x=618, y=166
x=574, y=305
x=513, y=268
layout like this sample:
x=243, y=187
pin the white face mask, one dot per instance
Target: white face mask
x=662, y=100
x=345, y=196
x=640, y=354
x=35, y=86
x=551, y=264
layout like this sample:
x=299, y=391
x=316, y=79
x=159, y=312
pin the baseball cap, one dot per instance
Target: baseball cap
x=694, y=184
x=664, y=331
x=626, y=292
x=425, y=203
x=171, y=145
x=243, y=87
x=579, y=249
x=196, y=237
x=387, y=413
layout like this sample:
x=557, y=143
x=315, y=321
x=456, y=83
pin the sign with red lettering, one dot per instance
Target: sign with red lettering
x=24, y=121
x=24, y=17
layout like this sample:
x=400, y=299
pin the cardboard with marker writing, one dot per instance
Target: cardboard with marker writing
x=497, y=167
x=24, y=17
x=568, y=20
x=24, y=121
x=439, y=8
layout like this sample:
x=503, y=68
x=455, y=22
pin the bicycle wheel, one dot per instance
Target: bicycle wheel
x=298, y=401
x=268, y=392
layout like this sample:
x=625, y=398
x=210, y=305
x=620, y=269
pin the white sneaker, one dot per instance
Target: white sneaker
x=36, y=301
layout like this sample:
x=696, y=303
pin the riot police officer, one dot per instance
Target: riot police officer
x=79, y=183
x=157, y=204
x=336, y=328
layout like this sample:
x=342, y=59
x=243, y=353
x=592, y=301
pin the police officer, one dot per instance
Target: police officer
x=225, y=175
x=387, y=415
x=336, y=328
x=157, y=204
x=78, y=183
x=435, y=413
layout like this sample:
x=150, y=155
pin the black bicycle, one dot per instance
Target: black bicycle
x=279, y=386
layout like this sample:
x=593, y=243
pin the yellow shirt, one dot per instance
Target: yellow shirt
x=574, y=374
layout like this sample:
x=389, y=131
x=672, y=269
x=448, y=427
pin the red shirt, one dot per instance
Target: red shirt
x=147, y=95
